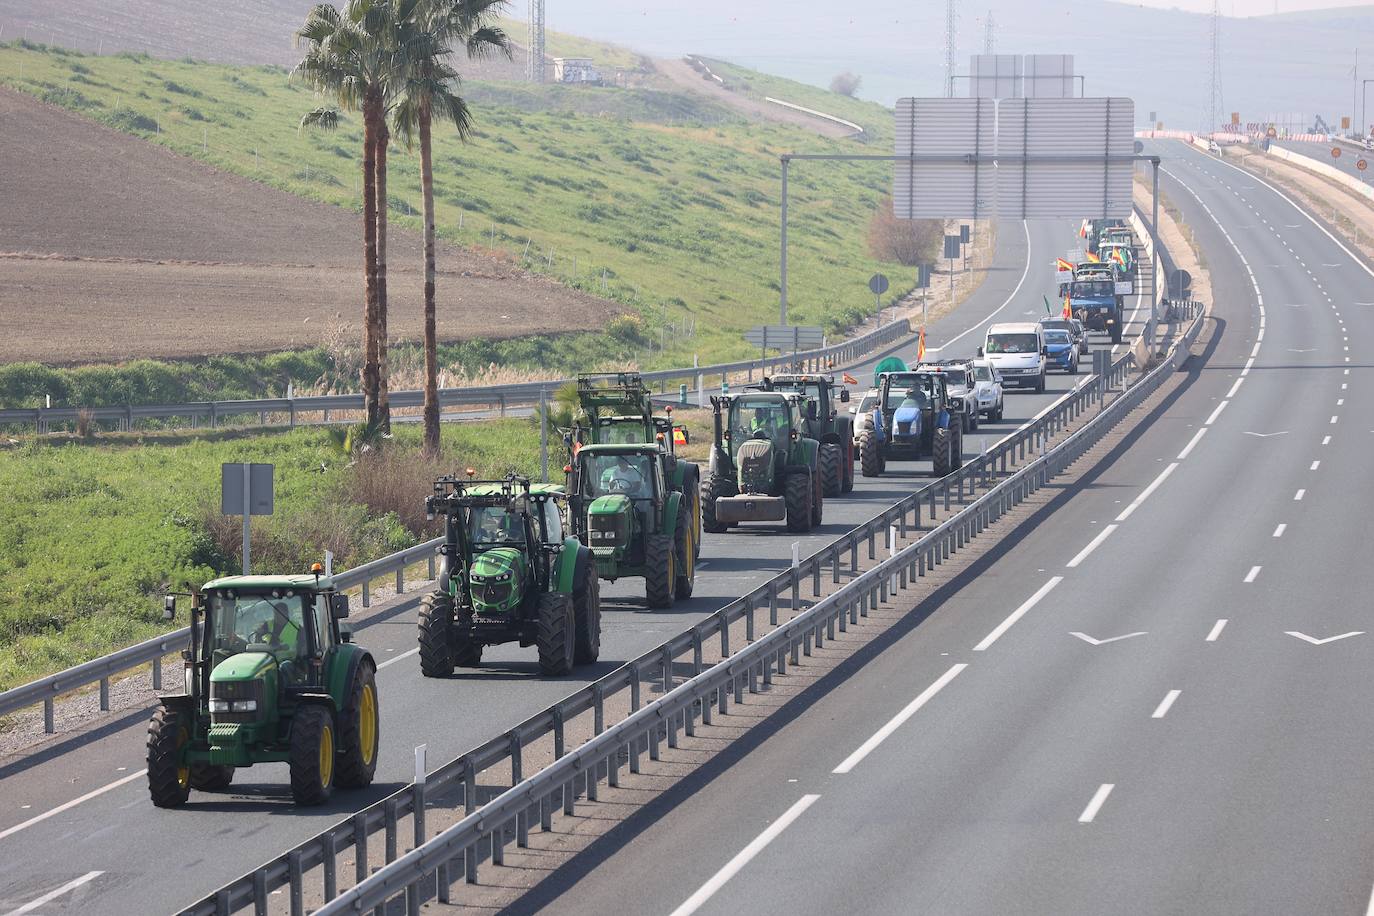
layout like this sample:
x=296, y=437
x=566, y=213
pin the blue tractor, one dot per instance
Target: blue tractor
x=914, y=418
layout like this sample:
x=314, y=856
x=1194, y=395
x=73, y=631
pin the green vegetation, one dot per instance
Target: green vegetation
x=672, y=219
x=874, y=118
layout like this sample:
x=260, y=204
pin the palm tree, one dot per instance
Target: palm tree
x=432, y=87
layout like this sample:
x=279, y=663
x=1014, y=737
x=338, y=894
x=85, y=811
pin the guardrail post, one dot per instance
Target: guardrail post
x=389, y=818
x=400, y=580
x=104, y=694
x=367, y=594
x=522, y=826
x=749, y=620
x=431, y=567
x=260, y=891
x=359, y=847
x=469, y=806
x=696, y=652
x=293, y=870
x=157, y=673
x=724, y=634
x=667, y=669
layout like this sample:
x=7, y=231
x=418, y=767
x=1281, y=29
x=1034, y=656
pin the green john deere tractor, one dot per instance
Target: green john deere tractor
x=764, y=468
x=618, y=409
x=634, y=523
x=832, y=428
x=270, y=677
x=508, y=573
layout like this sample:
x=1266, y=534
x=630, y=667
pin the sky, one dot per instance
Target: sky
x=1253, y=7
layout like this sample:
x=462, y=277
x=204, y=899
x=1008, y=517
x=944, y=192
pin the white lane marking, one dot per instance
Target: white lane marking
x=392, y=661
x=1282, y=432
x=1255, y=351
x=1234, y=388
x=1314, y=466
x=1278, y=532
x=896, y=721
x=1321, y=642
x=1163, y=708
x=1017, y=614
x=1216, y=630
x=1145, y=494
x=10, y=831
x=1248, y=363
x=718, y=880
x=1099, y=797
x=1010, y=299
x=1250, y=576
x=1187, y=450
x=1340, y=402
x=1216, y=413
x=1326, y=440
x=1102, y=642
x=50, y=896
x=1092, y=545
x=1297, y=497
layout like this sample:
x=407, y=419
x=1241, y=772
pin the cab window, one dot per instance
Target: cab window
x=553, y=522
x=322, y=630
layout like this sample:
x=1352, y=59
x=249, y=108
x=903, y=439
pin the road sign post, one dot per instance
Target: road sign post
x=245, y=489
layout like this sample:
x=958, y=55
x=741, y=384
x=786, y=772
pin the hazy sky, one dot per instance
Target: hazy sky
x=1253, y=7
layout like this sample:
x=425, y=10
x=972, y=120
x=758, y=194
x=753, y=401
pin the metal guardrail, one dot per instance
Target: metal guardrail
x=212, y=413
x=47, y=690
x=579, y=771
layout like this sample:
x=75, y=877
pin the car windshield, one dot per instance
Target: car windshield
x=1060, y=324
x=1091, y=289
x=982, y=374
x=758, y=418
x=629, y=475
x=956, y=377
x=908, y=391
x=1055, y=337
x=493, y=526
x=1012, y=343
x=257, y=623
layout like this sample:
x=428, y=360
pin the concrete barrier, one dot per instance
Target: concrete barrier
x=1327, y=171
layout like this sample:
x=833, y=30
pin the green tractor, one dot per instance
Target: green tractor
x=635, y=524
x=508, y=573
x=833, y=429
x=764, y=468
x=618, y=409
x=270, y=677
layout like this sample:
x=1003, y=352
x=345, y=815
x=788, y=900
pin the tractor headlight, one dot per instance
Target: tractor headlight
x=243, y=706
x=504, y=577
x=218, y=705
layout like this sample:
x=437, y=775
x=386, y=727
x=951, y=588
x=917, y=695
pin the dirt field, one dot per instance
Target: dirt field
x=171, y=258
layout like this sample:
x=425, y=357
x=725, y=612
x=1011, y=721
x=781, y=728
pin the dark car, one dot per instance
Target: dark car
x=1073, y=326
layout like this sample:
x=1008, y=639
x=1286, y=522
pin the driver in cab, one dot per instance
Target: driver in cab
x=622, y=477
x=765, y=421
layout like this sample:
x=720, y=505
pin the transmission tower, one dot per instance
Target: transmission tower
x=536, y=62
x=951, y=16
x=989, y=41
x=1214, y=104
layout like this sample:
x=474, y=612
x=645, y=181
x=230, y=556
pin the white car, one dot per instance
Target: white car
x=863, y=414
x=987, y=388
x=956, y=373
x=1017, y=351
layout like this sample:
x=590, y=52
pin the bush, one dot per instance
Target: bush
x=906, y=241
x=845, y=83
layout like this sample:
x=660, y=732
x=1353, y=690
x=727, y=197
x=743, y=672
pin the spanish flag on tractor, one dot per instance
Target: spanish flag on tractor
x=850, y=380
x=1063, y=266
x=1119, y=258
x=1092, y=257
x=921, y=345
x=1068, y=312
x=1083, y=229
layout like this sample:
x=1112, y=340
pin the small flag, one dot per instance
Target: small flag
x=1068, y=312
x=679, y=436
x=1083, y=230
x=850, y=380
x=1063, y=266
x=1048, y=310
x=921, y=345
x=1119, y=258
x=1094, y=258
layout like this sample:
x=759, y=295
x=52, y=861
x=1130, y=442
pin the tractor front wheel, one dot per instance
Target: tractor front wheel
x=169, y=780
x=436, y=635
x=691, y=501
x=209, y=777
x=587, y=618
x=942, y=450
x=832, y=474
x=660, y=573
x=870, y=454
x=712, y=488
x=847, y=463
x=797, y=490
x=359, y=732
x=956, y=450
x=313, y=755
x=817, y=497
x=555, y=637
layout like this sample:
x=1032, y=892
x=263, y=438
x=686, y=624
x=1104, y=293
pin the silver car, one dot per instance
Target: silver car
x=987, y=388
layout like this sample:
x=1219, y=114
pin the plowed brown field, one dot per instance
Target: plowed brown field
x=113, y=248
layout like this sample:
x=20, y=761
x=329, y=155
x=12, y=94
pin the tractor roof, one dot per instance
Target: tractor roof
x=536, y=489
x=259, y=583
x=621, y=448
x=791, y=378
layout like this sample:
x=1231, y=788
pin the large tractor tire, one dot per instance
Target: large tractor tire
x=210, y=777
x=660, y=574
x=587, y=618
x=870, y=454
x=1116, y=332
x=169, y=783
x=817, y=499
x=314, y=755
x=691, y=501
x=556, y=635
x=686, y=559
x=832, y=471
x=847, y=463
x=712, y=488
x=797, y=490
x=1040, y=383
x=942, y=451
x=956, y=450
x=359, y=732
x=442, y=647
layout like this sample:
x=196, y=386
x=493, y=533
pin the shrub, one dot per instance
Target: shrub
x=906, y=241
x=845, y=83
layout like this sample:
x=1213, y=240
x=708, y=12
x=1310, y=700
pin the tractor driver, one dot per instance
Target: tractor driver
x=765, y=421
x=622, y=477
x=498, y=526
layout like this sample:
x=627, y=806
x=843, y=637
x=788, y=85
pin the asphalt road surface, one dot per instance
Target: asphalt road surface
x=1157, y=699
x=77, y=828
x=1346, y=162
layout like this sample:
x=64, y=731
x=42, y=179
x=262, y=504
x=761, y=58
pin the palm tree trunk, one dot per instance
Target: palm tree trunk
x=371, y=116
x=431, y=334
x=383, y=400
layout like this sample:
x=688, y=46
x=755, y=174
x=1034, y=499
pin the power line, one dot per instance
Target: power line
x=989, y=39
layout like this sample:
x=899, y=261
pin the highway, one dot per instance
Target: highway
x=77, y=815
x=1346, y=162
x=1155, y=698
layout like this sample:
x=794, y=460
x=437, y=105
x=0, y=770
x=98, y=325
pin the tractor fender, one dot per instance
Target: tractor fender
x=791, y=469
x=317, y=699
x=347, y=660
x=671, y=507
x=585, y=564
x=180, y=703
x=720, y=462
x=445, y=582
x=564, y=578
x=810, y=449
x=879, y=431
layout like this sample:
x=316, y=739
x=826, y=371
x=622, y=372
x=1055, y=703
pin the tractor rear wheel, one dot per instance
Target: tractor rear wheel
x=870, y=455
x=314, y=753
x=956, y=450
x=941, y=451
x=832, y=474
x=436, y=635
x=556, y=634
x=712, y=488
x=847, y=463
x=691, y=501
x=796, y=492
x=169, y=783
x=210, y=777
x=660, y=570
x=817, y=497
x=359, y=731
x=686, y=560
x=587, y=618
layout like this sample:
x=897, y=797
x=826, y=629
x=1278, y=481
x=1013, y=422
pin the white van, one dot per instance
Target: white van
x=1017, y=352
